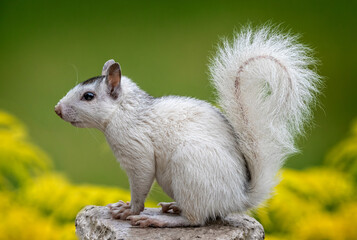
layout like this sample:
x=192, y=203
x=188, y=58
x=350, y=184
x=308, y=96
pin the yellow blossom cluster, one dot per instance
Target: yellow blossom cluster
x=38, y=203
x=316, y=203
x=35, y=201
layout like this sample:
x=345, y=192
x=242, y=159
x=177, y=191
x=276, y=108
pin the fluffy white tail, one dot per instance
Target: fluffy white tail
x=265, y=86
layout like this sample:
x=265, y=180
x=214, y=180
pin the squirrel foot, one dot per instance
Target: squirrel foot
x=159, y=221
x=166, y=207
x=120, y=210
x=145, y=221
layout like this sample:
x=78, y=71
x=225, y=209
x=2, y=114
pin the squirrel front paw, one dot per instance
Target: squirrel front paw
x=120, y=210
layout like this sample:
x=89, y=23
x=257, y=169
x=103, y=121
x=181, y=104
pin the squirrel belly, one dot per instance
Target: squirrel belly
x=211, y=162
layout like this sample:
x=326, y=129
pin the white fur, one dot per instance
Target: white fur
x=266, y=124
x=197, y=154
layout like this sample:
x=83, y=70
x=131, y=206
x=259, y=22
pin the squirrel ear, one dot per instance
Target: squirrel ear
x=113, y=78
x=107, y=64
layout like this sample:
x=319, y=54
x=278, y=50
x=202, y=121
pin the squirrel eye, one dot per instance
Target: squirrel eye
x=88, y=96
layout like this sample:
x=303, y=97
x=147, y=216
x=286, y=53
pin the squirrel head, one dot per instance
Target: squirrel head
x=90, y=103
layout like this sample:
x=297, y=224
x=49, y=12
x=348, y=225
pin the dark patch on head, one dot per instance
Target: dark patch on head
x=92, y=80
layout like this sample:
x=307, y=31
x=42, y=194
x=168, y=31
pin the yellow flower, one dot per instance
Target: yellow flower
x=36, y=203
x=21, y=223
x=303, y=194
x=326, y=225
x=344, y=155
x=53, y=195
x=20, y=160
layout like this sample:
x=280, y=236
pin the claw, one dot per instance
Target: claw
x=118, y=204
x=166, y=207
x=144, y=221
x=120, y=210
x=136, y=220
x=136, y=217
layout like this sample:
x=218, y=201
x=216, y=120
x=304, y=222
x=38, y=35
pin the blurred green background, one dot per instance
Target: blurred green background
x=46, y=47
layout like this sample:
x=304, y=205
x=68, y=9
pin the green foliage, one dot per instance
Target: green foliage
x=164, y=46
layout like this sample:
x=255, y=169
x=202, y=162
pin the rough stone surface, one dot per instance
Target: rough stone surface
x=95, y=222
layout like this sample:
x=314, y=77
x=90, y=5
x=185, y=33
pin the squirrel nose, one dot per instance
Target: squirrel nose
x=58, y=111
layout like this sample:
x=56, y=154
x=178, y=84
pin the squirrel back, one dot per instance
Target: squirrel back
x=265, y=85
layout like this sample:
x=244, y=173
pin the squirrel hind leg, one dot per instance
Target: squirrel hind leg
x=160, y=221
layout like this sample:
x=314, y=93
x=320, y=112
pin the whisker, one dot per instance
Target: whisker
x=91, y=132
x=91, y=119
x=76, y=70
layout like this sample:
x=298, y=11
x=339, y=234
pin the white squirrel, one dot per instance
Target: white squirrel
x=211, y=163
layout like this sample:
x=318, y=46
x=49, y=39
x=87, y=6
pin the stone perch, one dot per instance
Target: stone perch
x=95, y=222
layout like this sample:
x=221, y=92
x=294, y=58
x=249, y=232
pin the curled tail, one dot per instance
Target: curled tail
x=265, y=86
